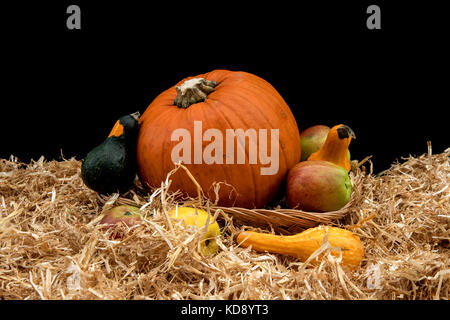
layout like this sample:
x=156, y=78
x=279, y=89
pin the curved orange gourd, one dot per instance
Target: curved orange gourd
x=303, y=244
x=335, y=147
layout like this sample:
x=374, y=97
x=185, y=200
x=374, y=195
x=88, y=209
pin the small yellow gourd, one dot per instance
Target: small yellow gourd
x=198, y=218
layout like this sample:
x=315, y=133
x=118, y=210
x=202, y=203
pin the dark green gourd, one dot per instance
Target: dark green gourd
x=111, y=166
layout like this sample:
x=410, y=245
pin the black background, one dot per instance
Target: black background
x=173, y=309
x=64, y=89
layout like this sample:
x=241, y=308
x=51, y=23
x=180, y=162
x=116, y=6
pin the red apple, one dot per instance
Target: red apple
x=318, y=186
x=312, y=139
x=124, y=214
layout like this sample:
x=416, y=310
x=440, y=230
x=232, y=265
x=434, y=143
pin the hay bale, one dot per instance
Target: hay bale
x=51, y=246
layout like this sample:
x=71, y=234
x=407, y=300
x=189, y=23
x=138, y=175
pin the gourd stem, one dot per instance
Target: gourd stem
x=193, y=91
x=136, y=115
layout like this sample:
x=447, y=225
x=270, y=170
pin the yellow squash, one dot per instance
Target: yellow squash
x=303, y=244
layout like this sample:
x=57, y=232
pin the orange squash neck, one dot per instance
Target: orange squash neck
x=334, y=150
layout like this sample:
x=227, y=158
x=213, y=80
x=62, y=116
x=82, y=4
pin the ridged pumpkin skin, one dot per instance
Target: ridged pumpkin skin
x=239, y=101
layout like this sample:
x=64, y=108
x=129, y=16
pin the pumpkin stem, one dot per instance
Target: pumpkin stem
x=193, y=91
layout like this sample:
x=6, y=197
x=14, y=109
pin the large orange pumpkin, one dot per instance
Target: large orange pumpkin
x=219, y=100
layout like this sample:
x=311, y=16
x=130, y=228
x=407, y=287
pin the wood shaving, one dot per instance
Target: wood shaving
x=51, y=246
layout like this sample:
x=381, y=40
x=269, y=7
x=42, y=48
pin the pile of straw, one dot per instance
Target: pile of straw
x=52, y=247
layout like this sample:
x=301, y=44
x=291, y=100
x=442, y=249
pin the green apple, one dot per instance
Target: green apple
x=318, y=186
